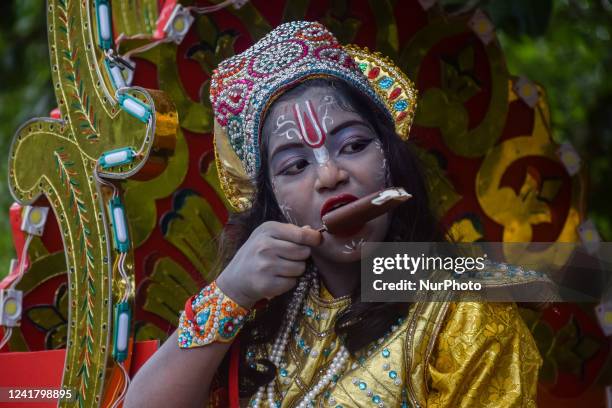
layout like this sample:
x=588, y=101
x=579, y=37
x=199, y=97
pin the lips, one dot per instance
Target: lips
x=336, y=202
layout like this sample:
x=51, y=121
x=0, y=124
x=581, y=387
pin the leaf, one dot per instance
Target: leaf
x=192, y=227
x=170, y=287
x=148, y=331
x=45, y=317
x=587, y=348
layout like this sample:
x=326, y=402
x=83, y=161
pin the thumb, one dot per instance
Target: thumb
x=313, y=236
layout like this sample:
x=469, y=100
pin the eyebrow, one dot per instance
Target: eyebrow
x=348, y=123
x=286, y=146
x=335, y=130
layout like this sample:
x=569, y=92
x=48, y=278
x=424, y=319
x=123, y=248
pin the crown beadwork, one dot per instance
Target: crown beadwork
x=245, y=85
x=392, y=86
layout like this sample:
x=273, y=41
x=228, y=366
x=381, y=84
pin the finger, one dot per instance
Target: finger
x=291, y=251
x=280, y=285
x=289, y=269
x=298, y=235
x=310, y=236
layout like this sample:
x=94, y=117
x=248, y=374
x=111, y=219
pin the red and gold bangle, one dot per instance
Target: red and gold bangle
x=211, y=316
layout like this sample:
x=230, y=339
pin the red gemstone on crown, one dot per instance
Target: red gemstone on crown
x=395, y=93
x=374, y=73
x=401, y=116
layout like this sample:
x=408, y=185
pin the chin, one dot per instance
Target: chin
x=337, y=254
x=346, y=249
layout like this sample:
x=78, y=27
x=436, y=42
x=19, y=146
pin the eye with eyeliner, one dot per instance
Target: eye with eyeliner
x=361, y=141
x=285, y=168
x=359, y=144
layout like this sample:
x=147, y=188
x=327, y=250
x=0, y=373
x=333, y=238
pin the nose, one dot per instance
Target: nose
x=330, y=176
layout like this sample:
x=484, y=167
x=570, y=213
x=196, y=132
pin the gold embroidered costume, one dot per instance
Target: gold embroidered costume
x=464, y=354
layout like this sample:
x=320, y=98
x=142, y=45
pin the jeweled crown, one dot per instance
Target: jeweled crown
x=243, y=87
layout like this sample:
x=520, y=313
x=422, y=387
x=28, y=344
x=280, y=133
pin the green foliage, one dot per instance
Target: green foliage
x=564, y=45
x=25, y=90
x=573, y=61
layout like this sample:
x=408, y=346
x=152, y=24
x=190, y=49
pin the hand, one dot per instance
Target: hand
x=269, y=263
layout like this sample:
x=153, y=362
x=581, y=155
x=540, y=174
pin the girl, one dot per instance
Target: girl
x=299, y=131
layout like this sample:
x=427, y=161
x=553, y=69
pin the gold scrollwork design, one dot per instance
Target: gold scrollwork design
x=65, y=153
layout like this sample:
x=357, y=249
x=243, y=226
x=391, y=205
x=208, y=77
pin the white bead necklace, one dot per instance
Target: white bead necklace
x=280, y=345
x=336, y=366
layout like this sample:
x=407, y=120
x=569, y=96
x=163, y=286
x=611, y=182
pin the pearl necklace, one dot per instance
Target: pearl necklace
x=280, y=345
x=336, y=366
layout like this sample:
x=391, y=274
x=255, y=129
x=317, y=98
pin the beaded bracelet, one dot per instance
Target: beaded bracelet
x=208, y=317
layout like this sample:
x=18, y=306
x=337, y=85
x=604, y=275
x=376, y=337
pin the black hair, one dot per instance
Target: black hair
x=361, y=323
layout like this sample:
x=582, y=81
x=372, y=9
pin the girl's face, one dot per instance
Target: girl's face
x=320, y=149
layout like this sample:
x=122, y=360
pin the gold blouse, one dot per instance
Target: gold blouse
x=465, y=354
